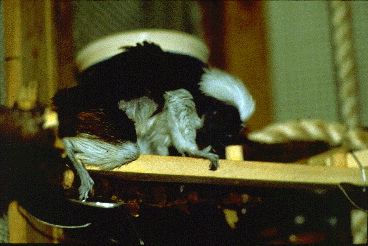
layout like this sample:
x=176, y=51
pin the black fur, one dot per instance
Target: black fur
x=111, y=124
x=144, y=70
x=222, y=126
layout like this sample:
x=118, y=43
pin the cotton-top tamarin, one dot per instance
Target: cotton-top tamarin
x=143, y=101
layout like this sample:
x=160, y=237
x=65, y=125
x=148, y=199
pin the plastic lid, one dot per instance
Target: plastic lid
x=169, y=40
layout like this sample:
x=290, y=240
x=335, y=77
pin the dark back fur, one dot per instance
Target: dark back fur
x=111, y=125
x=144, y=70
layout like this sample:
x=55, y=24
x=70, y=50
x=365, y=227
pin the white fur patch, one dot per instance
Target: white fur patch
x=229, y=89
x=175, y=126
x=182, y=119
x=183, y=122
x=140, y=111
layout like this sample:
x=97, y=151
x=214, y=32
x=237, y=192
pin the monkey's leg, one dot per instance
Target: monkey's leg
x=86, y=180
x=99, y=153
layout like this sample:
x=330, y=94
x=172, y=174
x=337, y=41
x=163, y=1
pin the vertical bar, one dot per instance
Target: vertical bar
x=63, y=21
x=51, y=54
x=246, y=54
x=13, y=49
x=17, y=224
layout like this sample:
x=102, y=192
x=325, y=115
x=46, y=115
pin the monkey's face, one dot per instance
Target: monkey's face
x=221, y=127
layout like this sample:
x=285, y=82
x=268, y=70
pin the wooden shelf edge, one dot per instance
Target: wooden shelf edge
x=196, y=170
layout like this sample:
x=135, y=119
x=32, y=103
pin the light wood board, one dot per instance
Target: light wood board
x=196, y=170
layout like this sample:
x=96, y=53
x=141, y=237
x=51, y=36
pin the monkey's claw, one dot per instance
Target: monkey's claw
x=85, y=188
x=212, y=157
x=214, y=162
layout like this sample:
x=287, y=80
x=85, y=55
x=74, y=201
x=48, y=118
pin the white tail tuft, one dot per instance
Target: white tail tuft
x=229, y=89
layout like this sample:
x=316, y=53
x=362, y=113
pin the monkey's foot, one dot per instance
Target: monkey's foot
x=86, y=187
x=212, y=157
x=214, y=162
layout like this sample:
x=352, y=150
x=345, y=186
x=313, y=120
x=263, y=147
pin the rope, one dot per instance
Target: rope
x=334, y=134
x=342, y=42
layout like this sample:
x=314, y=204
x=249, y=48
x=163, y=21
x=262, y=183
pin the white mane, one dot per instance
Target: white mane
x=229, y=89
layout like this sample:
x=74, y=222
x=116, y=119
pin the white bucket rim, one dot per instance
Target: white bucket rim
x=169, y=40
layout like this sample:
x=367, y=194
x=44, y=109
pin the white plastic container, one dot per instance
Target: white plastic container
x=169, y=40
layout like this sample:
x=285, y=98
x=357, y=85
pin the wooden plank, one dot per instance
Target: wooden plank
x=17, y=224
x=334, y=157
x=24, y=228
x=234, y=153
x=51, y=84
x=195, y=170
x=362, y=156
x=13, y=49
x=39, y=61
x=339, y=157
x=30, y=48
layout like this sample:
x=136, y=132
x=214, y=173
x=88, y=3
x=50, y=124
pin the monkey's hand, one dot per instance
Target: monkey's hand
x=183, y=122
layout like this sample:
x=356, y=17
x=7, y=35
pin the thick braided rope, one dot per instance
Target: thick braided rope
x=311, y=130
x=345, y=63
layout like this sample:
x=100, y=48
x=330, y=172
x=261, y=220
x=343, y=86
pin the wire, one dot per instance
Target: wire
x=351, y=201
x=47, y=223
x=364, y=181
x=362, y=169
